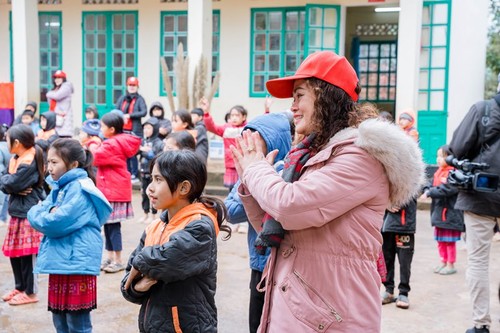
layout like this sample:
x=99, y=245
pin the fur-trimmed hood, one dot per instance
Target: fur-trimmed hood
x=398, y=153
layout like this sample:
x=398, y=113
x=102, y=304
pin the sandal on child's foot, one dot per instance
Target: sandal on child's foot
x=448, y=271
x=403, y=302
x=8, y=296
x=22, y=299
x=387, y=298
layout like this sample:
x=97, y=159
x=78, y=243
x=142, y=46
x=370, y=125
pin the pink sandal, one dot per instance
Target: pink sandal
x=22, y=298
x=8, y=296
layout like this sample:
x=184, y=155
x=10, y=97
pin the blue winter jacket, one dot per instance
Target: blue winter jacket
x=72, y=242
x=274, y=128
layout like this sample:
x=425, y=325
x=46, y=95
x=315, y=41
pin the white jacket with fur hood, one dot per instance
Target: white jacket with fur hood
x=323, y=277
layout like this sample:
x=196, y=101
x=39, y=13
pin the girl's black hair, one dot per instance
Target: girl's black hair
x=92, y=109
x=240, y=109
x=24, y=134
x=115, y=120
x=185, y=117
x=54, y=83
x=70, y=150
x=334, y=110
x=183, y=140
x=177, y=166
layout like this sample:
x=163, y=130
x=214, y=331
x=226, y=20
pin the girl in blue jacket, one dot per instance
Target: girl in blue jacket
x=70, y=219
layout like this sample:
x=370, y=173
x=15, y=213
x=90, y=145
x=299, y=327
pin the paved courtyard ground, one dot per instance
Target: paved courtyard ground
x=439, y=304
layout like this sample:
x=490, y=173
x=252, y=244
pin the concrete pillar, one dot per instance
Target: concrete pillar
x=26, y=55
x=410, y=22
x=467, y=62
x=199, y=38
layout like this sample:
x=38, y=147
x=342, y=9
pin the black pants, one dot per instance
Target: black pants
x=133, y=166
x=146, y=180
x=256, y=301
x=23, y=273
x=402, y=245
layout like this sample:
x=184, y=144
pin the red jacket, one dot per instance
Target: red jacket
x=110, y=158
x=228, y=132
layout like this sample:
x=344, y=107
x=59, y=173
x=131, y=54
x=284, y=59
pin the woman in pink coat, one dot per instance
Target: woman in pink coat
x=322, y=215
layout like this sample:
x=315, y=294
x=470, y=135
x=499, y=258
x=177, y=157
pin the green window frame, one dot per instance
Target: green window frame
x=282, y=37
x=50, y=31
x=109, y=56
x=50, y=45
x=323, y=28
x=434, y=56
x=433, y=76
x=377, y=71
x=174, y=30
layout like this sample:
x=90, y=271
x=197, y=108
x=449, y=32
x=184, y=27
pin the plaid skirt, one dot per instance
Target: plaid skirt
x=21, y=239
x=72, y=293
x=446, y=235
x=121, y=211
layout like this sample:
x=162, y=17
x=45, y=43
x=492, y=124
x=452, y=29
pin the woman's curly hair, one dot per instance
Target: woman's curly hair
x=334, y=110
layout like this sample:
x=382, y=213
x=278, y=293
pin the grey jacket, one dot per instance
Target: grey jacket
x=479, y=141
x=63, y=107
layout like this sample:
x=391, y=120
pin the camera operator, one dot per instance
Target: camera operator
x=477, y=138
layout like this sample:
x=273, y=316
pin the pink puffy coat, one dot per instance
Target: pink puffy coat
x=324, y=278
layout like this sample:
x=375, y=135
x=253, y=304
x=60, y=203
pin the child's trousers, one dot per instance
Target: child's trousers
x=146, y=207
x=72, y=322
x=402, y=245
x=22, y=267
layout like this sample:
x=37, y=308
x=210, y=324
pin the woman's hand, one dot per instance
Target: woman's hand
x=249, y=151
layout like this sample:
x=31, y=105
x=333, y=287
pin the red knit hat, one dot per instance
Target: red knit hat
x=59, y=74
x=132, y=81
x=324, y=65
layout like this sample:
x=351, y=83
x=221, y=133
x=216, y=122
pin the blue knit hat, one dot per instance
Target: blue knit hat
x=92, y=126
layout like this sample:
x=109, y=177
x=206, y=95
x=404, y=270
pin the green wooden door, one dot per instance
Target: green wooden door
x=433, y=86
x=109, y=57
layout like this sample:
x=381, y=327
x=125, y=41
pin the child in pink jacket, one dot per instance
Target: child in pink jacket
x=229, y=132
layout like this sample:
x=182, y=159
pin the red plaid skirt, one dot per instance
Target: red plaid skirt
x=72, y=293
x=21, y=239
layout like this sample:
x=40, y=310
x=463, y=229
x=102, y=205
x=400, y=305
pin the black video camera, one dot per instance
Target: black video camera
x=468, y=177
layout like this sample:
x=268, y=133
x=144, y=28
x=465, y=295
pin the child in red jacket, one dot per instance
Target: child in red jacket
x=229, y=132
x=113, y=180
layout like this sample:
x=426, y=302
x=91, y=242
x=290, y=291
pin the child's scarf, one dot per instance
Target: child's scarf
x=272, y=232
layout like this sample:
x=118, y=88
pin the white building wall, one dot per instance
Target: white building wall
x=4, y=42
x=468, y=40
x=410, y=17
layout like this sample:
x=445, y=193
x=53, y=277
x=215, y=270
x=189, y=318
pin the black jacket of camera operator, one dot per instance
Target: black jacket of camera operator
x=477, y=139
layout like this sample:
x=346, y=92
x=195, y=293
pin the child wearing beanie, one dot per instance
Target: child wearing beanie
x=89, y=135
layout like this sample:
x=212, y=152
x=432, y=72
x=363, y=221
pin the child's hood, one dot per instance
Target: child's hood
x=102, y=207
x=159, y=233
x=51, y=120
x=410, y=116
x=274, y=128
x=157, y=105
x=128, y=143
x=155, y=123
